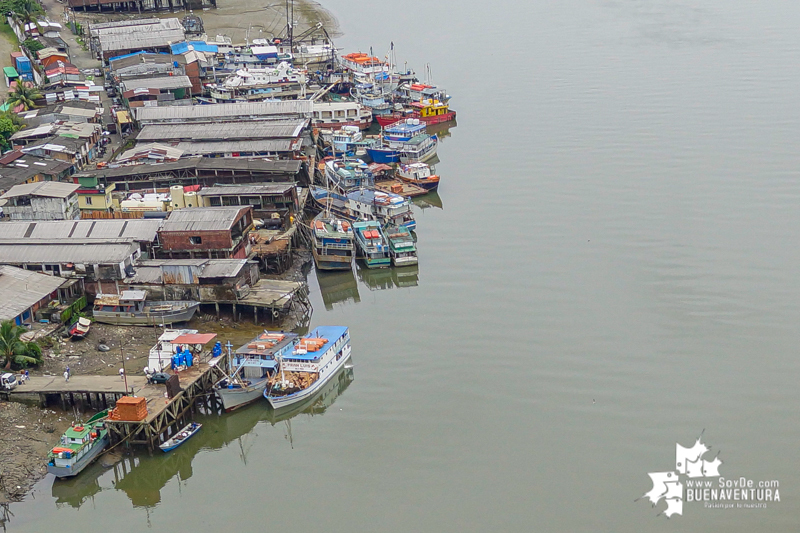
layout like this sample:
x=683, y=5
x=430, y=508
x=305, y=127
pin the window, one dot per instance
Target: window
x=88, y=200
x=196, y=240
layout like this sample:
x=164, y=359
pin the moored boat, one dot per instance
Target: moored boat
x=311, y=363
x=367, y=203
x=429, y=111
x=402, y=248
x=372, y=244
x=79, y=446
x=131, y=308
x=80, y=328
x=333, y=242
x=179, y=438
x=419, y=174
x=249, y=369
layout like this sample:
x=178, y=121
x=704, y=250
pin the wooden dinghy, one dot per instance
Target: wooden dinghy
x=180, y=437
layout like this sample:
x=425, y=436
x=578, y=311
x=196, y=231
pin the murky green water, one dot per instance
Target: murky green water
x=611, y=269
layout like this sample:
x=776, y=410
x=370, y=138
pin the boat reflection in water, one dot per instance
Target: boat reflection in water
x=338, y=287
x=389, y=278
x=427, y=201
x=142, y=477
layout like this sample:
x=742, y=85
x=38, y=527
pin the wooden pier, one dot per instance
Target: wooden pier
x=165, y=416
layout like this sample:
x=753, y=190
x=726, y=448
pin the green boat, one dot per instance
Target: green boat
x=372, y=245
x=80, y=445
x=402, y=248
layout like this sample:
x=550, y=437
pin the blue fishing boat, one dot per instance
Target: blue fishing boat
x=373, y=247
x=304, y=370
x=367, y=203
x=404, y=141
x=179, y=438
x=346, y=174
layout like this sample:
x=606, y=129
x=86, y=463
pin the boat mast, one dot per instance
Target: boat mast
x=228, y=345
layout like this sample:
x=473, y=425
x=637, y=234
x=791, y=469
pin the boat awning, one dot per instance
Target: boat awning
x=194, y=338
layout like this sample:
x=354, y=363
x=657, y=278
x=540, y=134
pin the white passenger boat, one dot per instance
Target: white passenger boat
x=305, y=369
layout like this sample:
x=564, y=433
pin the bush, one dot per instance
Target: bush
x=32, y=45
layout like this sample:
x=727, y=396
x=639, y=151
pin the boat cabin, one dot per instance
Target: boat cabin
x=430, y=108
x=127, y=302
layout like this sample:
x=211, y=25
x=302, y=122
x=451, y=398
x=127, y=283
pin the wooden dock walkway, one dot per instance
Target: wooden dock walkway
x=98, y=392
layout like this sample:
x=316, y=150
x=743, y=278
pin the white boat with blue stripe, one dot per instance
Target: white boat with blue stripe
x=305, y=369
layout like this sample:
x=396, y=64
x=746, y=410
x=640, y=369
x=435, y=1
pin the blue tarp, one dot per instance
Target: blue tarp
x=199, y=46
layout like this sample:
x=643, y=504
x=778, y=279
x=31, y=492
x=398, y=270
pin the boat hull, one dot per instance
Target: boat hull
x=281, y=402
x=83, y=462
x=388, y=120
x=383, y=156
x=146, y=319
x=428, y=185
x=332, y=262
x=239, y=397
x=405, y=261
x=170, y=445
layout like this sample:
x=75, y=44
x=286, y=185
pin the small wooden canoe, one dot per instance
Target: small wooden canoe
x=180, y=437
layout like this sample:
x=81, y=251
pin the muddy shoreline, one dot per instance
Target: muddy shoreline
x=29, y=432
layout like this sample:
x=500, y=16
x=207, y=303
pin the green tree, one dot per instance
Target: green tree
x=7, y=129
x=27, y=10
x=32, y=45
x=14, y=350
x=23, y=95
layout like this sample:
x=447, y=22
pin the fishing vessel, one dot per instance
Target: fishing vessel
x=131, y=308
x=402, y=248
x=404, y=141
x=333, y=242
x=312, y=361
x=373, y=247
x=79, y=446
x=346, y=174
x=428, y=111
x=367, y=203
x=249, y=368
x=255, y=84
x=347, y=141
x=80, y=328
x=333, y=115
x=419, y=174
x=179, y=438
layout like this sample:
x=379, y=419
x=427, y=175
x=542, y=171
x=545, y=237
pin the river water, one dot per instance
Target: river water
x=612, y=270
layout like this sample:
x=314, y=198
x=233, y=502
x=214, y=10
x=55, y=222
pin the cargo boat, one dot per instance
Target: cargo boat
x=372, y=244
x=333, y=242
x=312, y=361
x=79, y=446
x=418, y=174
x=249, y=368
x=402, y=248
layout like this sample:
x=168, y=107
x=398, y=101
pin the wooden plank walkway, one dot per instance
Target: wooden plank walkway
x=78, y=384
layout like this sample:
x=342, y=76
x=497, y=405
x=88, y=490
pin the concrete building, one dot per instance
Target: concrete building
x=101, y=263
x=210, y=232
x=45, y=200
x=93, y=196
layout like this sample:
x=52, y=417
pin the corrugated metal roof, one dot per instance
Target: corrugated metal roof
x=25, y=251
x=224, y=147
x=223, y=268
x=202, y=219
x=161, y=82
x=140, y=230
x=288, y=167
x=20, y=289
x=139, y=39
x=250, y=188
x=47, y=189
x=223, y=131
x=231, y=110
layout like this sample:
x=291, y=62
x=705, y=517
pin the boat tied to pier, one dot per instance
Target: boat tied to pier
x=131, y=308
x=249, y=368
x=79, y=446
x=179, y=438
x=305, y=369
x=402, y=248
x=419, y=174
x=373, y=246
x=333, y=242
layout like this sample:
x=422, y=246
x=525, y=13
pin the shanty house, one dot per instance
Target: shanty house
x=212, y=232
x=43, y=200
x=22, y=293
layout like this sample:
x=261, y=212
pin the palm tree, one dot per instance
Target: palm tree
x=23, y=94
x=27, y=10
x=14, y=350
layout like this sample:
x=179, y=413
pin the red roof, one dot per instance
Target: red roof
x=194, y=338
x=191, y=188
x=10, y=156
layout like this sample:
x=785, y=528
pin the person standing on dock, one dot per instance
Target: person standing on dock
x=66, y=376
x=122, y=373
